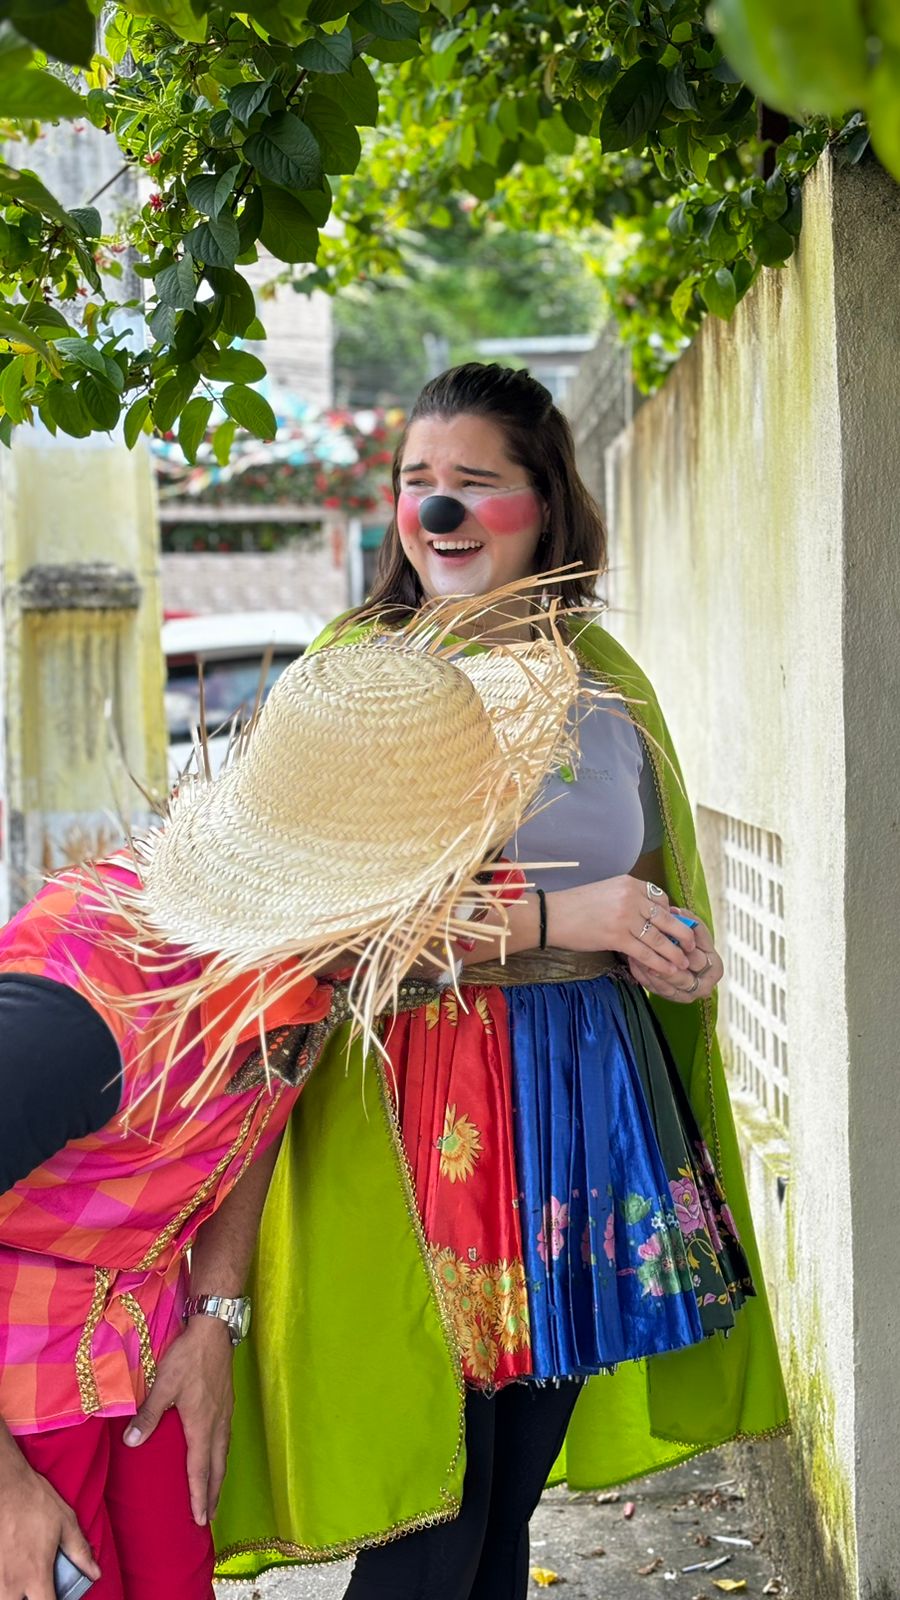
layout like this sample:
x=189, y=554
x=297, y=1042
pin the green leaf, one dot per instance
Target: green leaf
x=236, y=297
x=797, y=56
x=89, y=220
x=216, y=243
x=209, y=191
x=719, y=294
x=576, y=117
x=42, y=315
x=100, y=402
x=171, y=397
x=179, y=15
x=67, y=410
x=327, y=52
x=882, y=102
x=387, y=21
x=135, y=417
x=683, y=297
x=15, y=51
x=6, y=427
x=773, y=245
x=249, y=410
x=65, y=29
x=633, y=106
x=250, y=220
x=355, y=92
x=337, y=139
x=192, y=426
x=23, y=188
x=84, y=353
x=285, y=152
x=246, y=98
x=387, y=49
x=774, y=199
x=13, y=328
x=680, y=222
x=161, y=323
x=113, y=372
x=236, y=366
x=177, y=285
x=33, y=93
x=679, y=91
x=11, y=380
x=222, y=440
x=287, y=229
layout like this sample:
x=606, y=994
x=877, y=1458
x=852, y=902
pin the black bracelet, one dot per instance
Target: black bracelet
x=542, y=913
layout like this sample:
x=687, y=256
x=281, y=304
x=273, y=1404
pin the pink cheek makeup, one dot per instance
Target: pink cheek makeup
x=507, y=513
x=408, y=515
x=498, y=514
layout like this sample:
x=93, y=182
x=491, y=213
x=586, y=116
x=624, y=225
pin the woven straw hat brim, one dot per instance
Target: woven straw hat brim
x=377, y=782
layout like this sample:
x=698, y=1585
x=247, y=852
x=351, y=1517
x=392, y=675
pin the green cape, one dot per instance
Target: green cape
x=348, y=1424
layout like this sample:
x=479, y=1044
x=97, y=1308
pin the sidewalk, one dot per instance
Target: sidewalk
x=631, y=1545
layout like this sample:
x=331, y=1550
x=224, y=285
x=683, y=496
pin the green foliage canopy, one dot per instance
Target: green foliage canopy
x=561, y=117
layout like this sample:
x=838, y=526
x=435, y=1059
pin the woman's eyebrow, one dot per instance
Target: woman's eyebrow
x=473, y=472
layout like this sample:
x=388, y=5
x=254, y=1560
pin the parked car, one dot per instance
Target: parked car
x=230, y=650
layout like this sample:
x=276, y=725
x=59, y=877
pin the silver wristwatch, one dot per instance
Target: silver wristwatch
x=234, y=1311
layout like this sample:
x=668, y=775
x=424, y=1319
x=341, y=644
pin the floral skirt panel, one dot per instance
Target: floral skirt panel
x=629, y=1249
x=572, y=1211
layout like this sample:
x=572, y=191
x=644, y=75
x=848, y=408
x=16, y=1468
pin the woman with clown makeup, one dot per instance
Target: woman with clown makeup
x=522, y=1252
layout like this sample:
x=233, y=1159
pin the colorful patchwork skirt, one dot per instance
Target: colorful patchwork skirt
x=572, y=1209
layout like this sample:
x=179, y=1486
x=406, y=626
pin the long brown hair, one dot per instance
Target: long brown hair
x=538, y=439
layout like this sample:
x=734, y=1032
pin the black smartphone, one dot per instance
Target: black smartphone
x=69, y=1582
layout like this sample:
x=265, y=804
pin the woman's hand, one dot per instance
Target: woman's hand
x=34, y=1524
x=195, y=1376
x=706, y=971
x=620, y=914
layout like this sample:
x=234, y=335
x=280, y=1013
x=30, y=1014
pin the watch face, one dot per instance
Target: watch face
x=242, y=1319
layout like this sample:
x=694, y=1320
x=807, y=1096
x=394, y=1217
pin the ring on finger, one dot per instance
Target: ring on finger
x=704, y=970
x=645, y=929
x=654, y=891
x=694, y=986
x=654, y=911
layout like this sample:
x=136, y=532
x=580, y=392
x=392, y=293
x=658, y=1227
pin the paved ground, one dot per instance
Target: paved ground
x=629, y=1546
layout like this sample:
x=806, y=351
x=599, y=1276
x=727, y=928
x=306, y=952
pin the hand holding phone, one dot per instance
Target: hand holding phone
x=69, y=1582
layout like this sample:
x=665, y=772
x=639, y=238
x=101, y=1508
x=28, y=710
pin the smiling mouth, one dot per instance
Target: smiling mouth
x=456, y=547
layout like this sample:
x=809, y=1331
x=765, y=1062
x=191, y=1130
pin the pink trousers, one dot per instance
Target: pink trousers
x=132, y=1504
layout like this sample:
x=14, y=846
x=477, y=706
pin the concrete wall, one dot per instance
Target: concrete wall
x=756, y=575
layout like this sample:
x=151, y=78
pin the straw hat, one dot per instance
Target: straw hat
x=376, y=784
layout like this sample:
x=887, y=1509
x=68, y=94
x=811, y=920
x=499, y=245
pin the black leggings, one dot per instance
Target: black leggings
x=512, y=1441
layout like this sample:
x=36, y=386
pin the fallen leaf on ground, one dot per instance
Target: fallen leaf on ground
x=608, y=1498
x=652, y=1566
x=702, y=1539
x=628, y=1510
x=730, y=1585
x=598, y=1550
x=773, y=1586
x=544, y=1576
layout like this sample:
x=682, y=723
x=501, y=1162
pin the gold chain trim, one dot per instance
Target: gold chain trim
x=203, y=1193
x=135, y=1311
x=88, y=1393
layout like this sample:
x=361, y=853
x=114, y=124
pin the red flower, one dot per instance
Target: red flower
x=156, y=202
x=332, y=503
x=151, y=158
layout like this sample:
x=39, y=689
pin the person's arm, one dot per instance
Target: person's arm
x=60, y=1072
x=34, y=1524
x=194, y=1375
x=606, y=915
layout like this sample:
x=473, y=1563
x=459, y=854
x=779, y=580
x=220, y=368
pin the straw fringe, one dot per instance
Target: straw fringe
x=388, y=935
